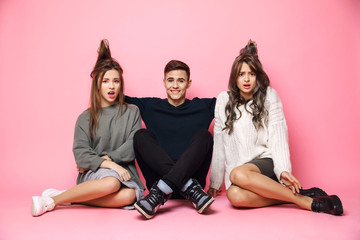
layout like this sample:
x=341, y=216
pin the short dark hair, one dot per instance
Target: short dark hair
x=177, y=65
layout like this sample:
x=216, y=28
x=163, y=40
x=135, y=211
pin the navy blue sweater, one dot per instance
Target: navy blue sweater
x=175, y=126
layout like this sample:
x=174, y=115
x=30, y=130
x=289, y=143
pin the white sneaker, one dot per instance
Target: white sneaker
x=41, y=205
x=51, y=192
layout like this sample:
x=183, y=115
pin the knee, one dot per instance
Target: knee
x=128, y=196
x=110, y=185
x=239, y=177
x=237, y=197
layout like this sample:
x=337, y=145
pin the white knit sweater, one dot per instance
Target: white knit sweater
x=246, y=143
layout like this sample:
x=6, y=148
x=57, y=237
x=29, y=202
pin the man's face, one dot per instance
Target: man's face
x=176, y=83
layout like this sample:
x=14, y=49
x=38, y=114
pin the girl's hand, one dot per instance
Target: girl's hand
x=82, y=170
x=106, y=157
x=290, y=181
x=214, y=192
x=123, y=173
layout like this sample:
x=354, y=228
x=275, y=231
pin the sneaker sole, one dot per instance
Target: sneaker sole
x=206, y=205
x=147, y=216
x=35, y=205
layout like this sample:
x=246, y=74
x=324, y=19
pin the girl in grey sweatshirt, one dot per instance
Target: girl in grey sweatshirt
x=103, y=146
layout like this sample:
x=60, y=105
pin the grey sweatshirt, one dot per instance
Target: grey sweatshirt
x=113, y=137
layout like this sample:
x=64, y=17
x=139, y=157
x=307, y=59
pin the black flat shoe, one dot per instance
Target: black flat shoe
x=327, y=204
x=312, y=192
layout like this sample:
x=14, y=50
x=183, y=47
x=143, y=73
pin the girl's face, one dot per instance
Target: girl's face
x=110, y=87
x=246, y=81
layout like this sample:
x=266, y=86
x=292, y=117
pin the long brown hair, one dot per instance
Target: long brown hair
x=103, y=64
x=249, y=56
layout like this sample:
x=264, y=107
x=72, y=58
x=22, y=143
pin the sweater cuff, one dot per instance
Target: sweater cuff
x=215, y=185
x=111, y=156
x=95, y=164
x=278, y=173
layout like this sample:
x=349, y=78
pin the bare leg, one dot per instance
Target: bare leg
x=262, y=190
x=240, y=197
x=89, y=190
x=124, y=197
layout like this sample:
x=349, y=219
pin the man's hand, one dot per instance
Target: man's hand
x=214, y=192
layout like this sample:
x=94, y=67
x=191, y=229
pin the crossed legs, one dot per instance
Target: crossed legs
x=156, y=164
x=185, y=176
x=252, y=189
x=106, y=192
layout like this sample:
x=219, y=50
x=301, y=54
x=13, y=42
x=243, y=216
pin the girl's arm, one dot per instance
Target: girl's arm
x=85, y=156
x=218, y=161
x=123, y=173
x=125, y=153
x=278, y=135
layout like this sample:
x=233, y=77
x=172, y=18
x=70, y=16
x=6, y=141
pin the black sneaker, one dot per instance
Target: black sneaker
x=198, y=197
x=312, y=192
x=327, y=204
x=151, y=203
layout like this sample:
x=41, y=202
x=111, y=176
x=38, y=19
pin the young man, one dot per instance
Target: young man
x=174, y=152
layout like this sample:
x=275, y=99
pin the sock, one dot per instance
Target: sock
x=202, y=199
x=186, y=185
x=164, y=187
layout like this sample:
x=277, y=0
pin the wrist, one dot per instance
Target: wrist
x=107, y=164
x=106, y=157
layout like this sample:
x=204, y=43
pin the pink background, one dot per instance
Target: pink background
x=310, y=50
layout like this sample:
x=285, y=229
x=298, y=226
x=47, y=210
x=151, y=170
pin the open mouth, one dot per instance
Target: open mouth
x=247, y=86
x=111, y=94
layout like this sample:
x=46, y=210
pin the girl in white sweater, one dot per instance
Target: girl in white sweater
x=251, y=144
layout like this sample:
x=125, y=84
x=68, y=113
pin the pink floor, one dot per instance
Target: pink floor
x=178, y=220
